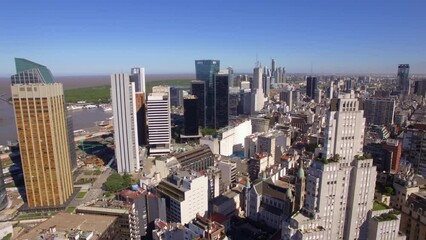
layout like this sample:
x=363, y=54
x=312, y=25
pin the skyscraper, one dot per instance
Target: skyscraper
x=3, y=193
x=158, y=116
x=403, y=80
x=141, y=118
x=125, y=123
x=311, y=86
x=138, y=77
x=41, y=123
x=221, y=94
x=198, y=90
x=258, y=97
x=379, y=111
x=190, y=115
x=340, y=184
x=205, y=71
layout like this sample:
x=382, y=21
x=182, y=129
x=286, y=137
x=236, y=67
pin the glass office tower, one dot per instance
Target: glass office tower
x=44, y=144
x=404, y=84
x=205, y=70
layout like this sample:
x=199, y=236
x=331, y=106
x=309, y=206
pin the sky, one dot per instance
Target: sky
x=100, y=37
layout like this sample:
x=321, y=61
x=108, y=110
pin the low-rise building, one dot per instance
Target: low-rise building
x=413, y=218
x=148, y=205
x=384, y=223
x=76, y=226
x=128, y=217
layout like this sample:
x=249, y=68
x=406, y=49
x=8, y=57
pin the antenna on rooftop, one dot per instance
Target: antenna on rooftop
x=311, y=67
x=257, y=62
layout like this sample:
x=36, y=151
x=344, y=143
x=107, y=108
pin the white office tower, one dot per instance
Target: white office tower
x=257, y=89
x=340, y=184
x=186, y=194
x=158, y=116
x=125, y=124
x=138, y=76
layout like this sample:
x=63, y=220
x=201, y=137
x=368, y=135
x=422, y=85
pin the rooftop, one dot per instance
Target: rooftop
x=65, y=222
x=377, y=206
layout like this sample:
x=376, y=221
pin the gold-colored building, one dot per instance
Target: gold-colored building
x=43, y=135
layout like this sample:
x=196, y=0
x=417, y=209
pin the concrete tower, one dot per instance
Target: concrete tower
x=125, y=123
x=159, y=125
x=340, y=184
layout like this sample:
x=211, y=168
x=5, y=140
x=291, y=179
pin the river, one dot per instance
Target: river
x=83, y=118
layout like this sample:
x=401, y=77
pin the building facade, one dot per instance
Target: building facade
x=340, y=184
x=3, y=193
x=311, y=86
x=403, y=78
x=198, y=90
x=186, y=194
x=41, y=124
x=126, y=142
x=159, y=122
x=205, y=71
x=190, y=116
x=379, y=111
x=221, y=96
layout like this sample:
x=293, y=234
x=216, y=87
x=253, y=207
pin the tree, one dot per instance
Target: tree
x=388, y=191
x=116, y=182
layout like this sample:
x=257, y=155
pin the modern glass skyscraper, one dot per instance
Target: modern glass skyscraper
x=404, y=84
x=311, y=86
x=205, y=70
x=198, y=89
x=221, y=94
x=41, y=123
x=190, y=114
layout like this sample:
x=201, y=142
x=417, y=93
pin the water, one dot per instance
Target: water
x=81, y=119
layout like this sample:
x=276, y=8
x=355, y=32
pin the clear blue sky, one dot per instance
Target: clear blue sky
x=101, y=37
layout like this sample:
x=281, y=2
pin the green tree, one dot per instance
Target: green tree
x=388, y=191
x=114, y=183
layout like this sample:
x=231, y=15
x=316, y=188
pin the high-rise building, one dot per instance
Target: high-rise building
x=414, y=144
x=190, y=115
x=311, y=86
x=198, y=89
x=3, y=193
x=125, y=123
x=159, y=125
x=70, y=129
x=379, y=111
x=348, y=85
x=138, y=77
x=273, y=67
x=41, y=122
x=205, y=71
x=403, y=80
x=340, y=184
x=176, y=96
x=420, y=87
x=287, y=97
x=221, y=95
x=244, y=104
x=186, y=194
x=140, y=98
x=258, y=97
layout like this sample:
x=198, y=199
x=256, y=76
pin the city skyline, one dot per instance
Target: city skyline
x=303, y=36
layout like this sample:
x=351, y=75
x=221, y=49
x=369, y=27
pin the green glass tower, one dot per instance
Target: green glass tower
x=205, y=70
